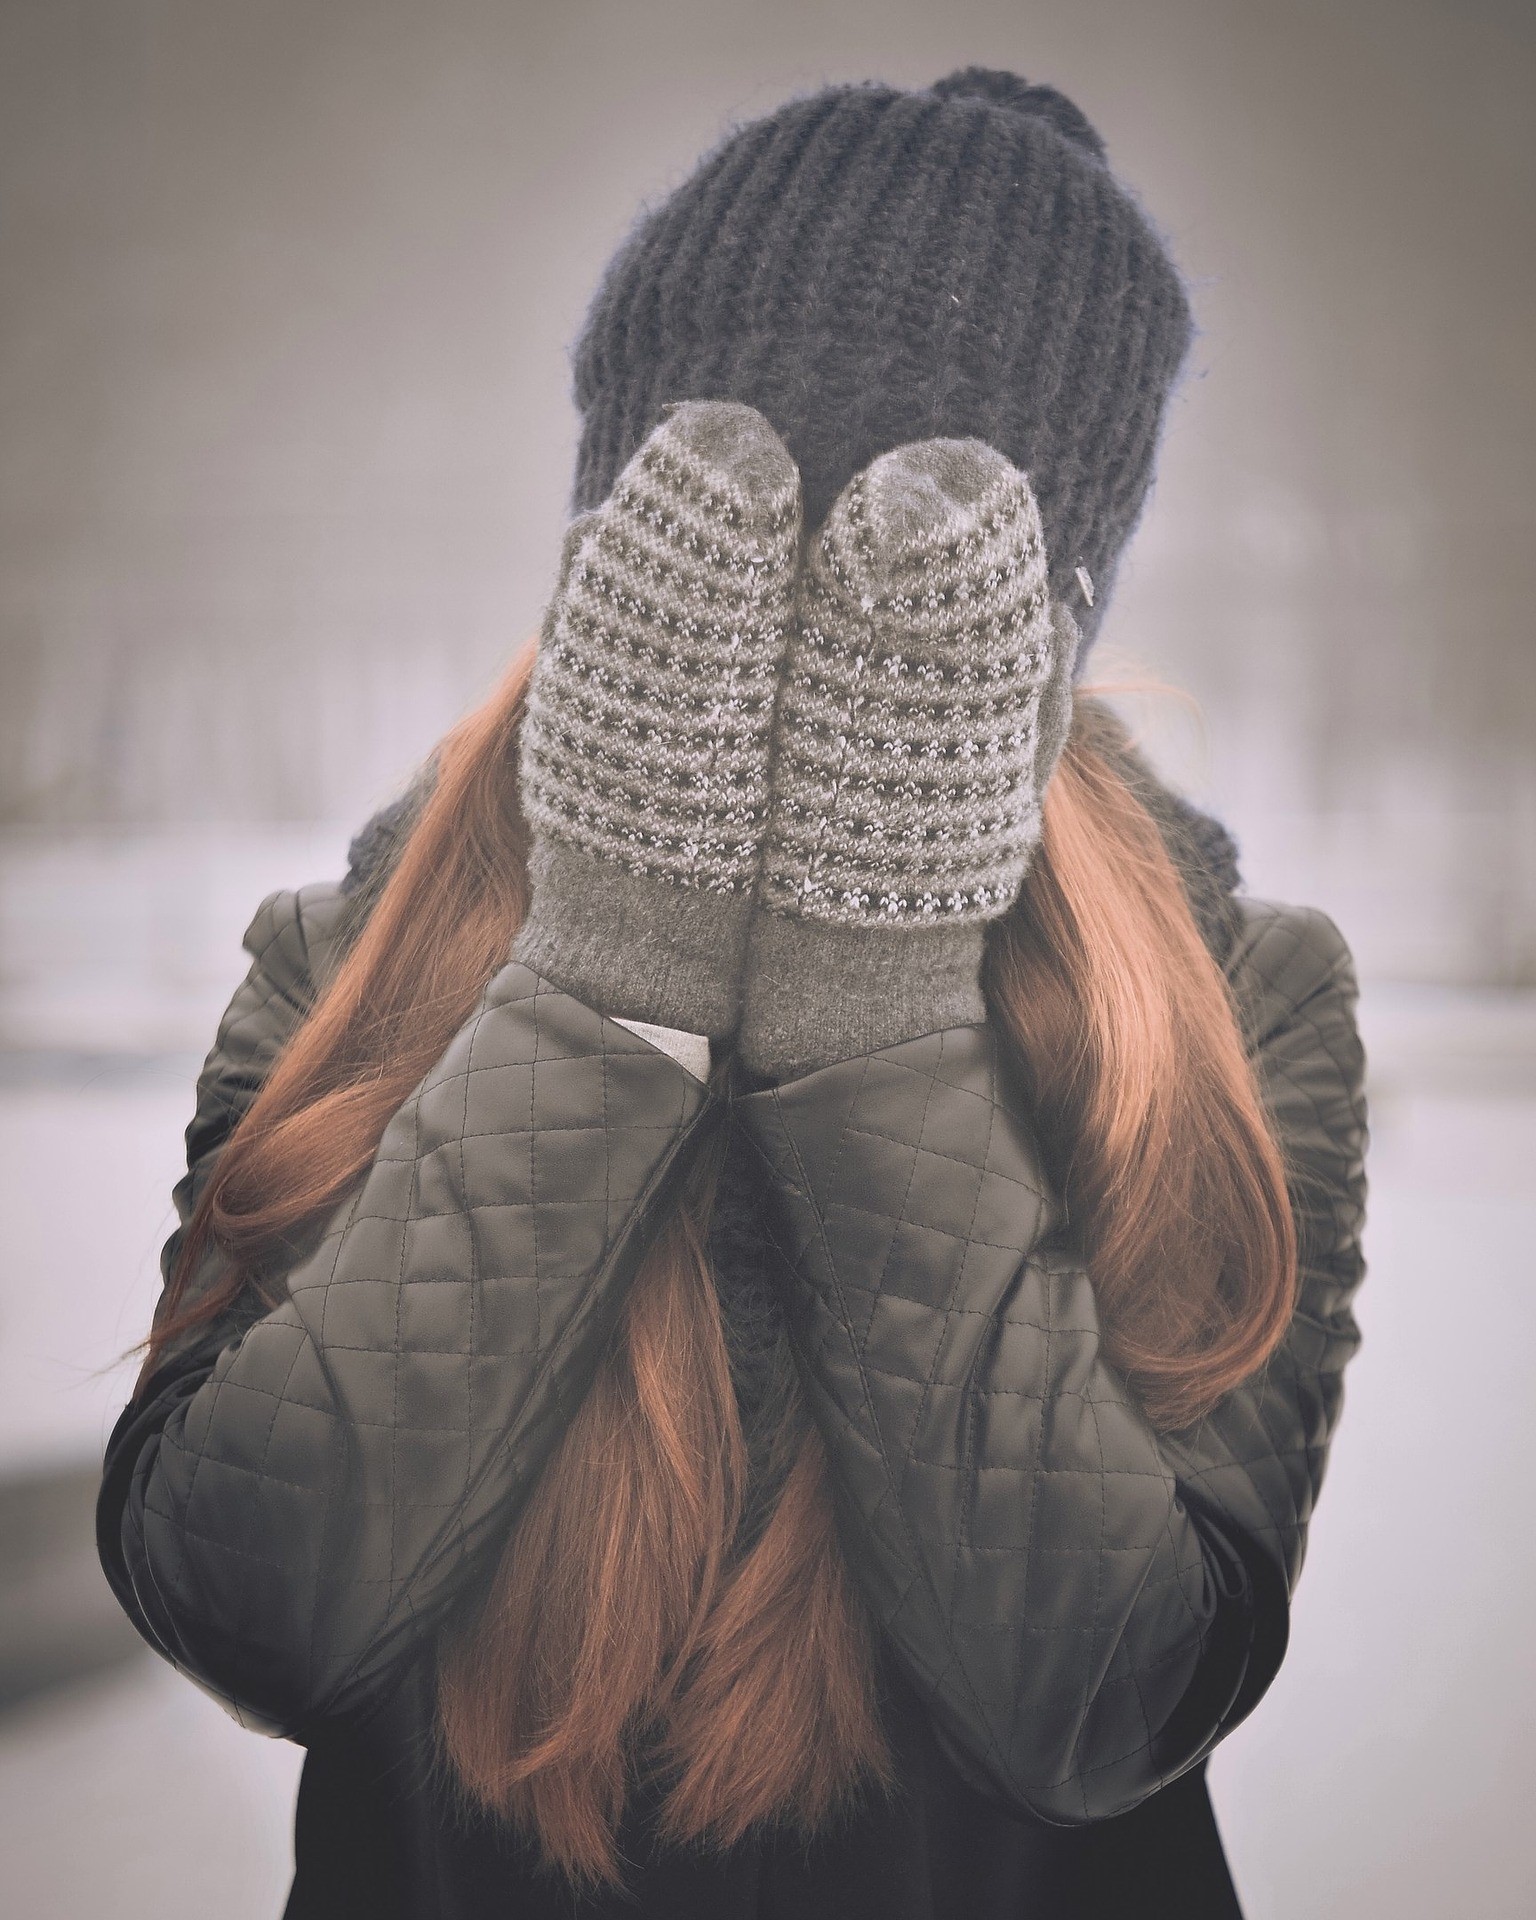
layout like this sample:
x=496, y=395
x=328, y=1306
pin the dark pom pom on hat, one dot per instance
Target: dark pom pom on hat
x=1011, y=90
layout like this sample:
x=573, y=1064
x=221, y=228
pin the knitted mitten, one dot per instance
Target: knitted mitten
x=926, y=698
x=644, y=757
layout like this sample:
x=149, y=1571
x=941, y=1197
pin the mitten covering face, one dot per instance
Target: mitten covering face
x=646, y=742
x=905, y=784
x=926, y=699
x=645, y=749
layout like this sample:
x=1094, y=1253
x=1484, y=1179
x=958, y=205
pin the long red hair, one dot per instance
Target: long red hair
x=624, y=1633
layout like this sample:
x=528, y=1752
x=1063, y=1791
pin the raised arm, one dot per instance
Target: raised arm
x=294, y=1512
x=1087, y=1606
x=292, y=1504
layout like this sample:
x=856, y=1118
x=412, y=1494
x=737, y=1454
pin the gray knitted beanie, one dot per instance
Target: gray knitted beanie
x=870, y=267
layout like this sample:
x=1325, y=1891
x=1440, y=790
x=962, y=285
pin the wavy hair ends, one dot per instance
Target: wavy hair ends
x=621, y=1636
x=624, y=1633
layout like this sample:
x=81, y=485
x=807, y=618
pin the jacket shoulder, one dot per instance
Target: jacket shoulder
x=1293, y=979
x=1283, y=959
x=297, y=937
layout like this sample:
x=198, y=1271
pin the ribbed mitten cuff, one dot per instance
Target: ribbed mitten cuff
x=822, y=993
x=635, y=947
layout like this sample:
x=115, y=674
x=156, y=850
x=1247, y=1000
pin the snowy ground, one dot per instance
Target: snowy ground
x=1383, y=1776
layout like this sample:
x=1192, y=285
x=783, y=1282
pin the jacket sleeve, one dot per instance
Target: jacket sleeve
x=286, y=1515
x=1086, y=1606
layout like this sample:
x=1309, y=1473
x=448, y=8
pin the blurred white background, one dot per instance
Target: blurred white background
x=285, y=442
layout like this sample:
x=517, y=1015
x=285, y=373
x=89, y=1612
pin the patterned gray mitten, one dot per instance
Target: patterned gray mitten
x=926, y=699
x=645, y=746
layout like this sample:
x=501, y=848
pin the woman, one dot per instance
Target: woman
x=801, y=1390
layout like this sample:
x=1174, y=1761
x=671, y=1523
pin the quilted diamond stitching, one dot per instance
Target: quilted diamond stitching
x=289, y=1592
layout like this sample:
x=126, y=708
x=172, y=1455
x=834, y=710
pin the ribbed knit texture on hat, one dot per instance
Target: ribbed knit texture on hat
x=870, y=267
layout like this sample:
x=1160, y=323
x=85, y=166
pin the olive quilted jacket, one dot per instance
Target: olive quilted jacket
x=1084, y=1607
